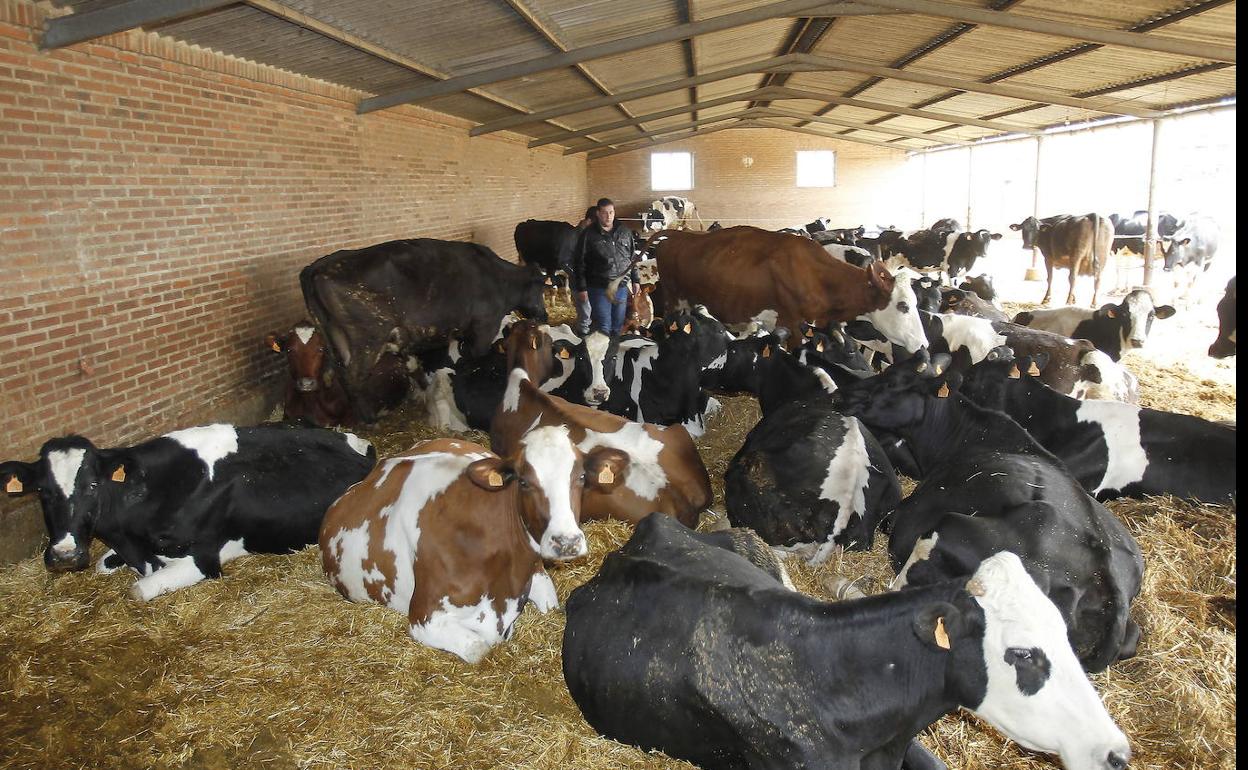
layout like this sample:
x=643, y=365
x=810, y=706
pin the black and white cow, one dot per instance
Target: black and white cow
x=811, y=478
x=948, y=224
x=964, y=248
x=688, y=648
x=1113, y=449
x=1114, y=329
x=177, y=507
x=949, y=252
x=981, y=285
x=1224, y=345
x=822, y=224
x=854, y=255
x=1129, y=232
x=882, y=245
x=926, y=293
x=969, y=303
x=988, y=486
x=1192, y=249
x=760, y=366
x=833, y=347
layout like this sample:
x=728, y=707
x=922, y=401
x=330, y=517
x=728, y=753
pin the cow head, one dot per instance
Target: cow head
x=1008, y=659
x=926, y=293
x=898, y=320
x=529, y=348
x=531, y=300
x=76, y=482
x=1133, y=317
x=897, y=398
x=549, y=474
x=1224, y=345
x=981, y=285
x=305, y=355
x=1029, y=228
x=1177, y=252
x=1103, y=379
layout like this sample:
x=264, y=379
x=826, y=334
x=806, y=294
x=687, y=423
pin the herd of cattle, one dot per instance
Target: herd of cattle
x=1012, y=579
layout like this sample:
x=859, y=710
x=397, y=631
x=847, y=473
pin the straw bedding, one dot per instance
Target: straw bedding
x=270, y=668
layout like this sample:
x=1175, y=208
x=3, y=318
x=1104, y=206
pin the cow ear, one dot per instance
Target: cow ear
x=1109, y=310
x=1016, y=227
x=605, y=468
x=879, y=277
x=938, y=625
x=996, y=236
x=275, y=342
x=491, y=473
x=17, y=477
x=1164, y=311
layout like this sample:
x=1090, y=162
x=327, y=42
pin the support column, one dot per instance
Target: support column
x=970, y=172
x=1151, y=241
x=1033, y=272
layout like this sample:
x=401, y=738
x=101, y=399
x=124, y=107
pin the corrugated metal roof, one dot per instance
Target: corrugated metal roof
x=451, y=39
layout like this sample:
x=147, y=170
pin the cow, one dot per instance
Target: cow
x=883, y=245
x=926, y=293
x=948, y=224
x=665, y=472
x=740, y=272
x=408, y=296
x=831, y=347
x=811, y=479
x=1192, y=250
x=968, y=303
x=176, y=507
x=453, y=536
x=546, y=244
x=987, y=485
x=685, y=647
x=1224, y=345
x=670, y=211
x=854, y=255
x=1113, y=449
x=822, y=224
x=981, y=285
x=1114, y=329
x=948, y=252
x=964, y=248
x=1078, y=243
x=1129, y=232
x=760, y=366
x=312, y=393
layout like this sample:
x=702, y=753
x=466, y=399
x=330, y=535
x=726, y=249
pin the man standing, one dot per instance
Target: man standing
x=604, y=253
x=582, y=299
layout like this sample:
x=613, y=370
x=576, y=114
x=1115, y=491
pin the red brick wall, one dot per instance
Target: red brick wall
x=157, y=202
x=872, y=183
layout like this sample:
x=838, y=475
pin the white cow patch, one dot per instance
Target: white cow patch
x=231, y=550
x=848, y=477
x=469, y=632
x=444, y=414
x=1117, y=384
x=304, y=333
x=645, y=477
x=899, y=320
x=1121, y=424
x=350, y=548
x=65, y=464
x=66, y=545
x=511, y=396
x=974, y=334
x=176, y=573
x=542, y=592
x=718, y=362
x=103, y=568
x=549, y=451
x=596, y=344
x=358, y=444
x=561, y=332
x=644, y=362
x=210, y=442
x=921, y=552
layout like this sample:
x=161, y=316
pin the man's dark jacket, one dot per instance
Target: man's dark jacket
x=601, y=256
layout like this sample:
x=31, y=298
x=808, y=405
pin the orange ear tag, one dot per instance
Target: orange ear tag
x=810, y=332
x=688, y=329
x=1014, y=372
x=495, y=479
x=819, y=347
x=605, y=476
x=563, y=353
x=942, y=636
x=1033, y=370
x=944, y=390
x=120, y=473
x=276, y=347
x=672, y=328
x=767, y=351
x=14, y=486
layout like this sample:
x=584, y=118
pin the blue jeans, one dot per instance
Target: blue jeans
x=605, y=316
x=582, y=315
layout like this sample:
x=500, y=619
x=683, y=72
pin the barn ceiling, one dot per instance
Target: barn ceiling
x=598, y=76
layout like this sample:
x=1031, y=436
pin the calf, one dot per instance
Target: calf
x=1113, y=449
x=760, y=366
x=453, y=535
x=981, y=285
x=1113, y=329
x=313, y=392
x=177, y=507
x=963, y=249
x=685, y=647
x=664, y=474
x=987, y=485
x=1079, y=243
x=926, y=293
x=1224, y=345
x=810, y=477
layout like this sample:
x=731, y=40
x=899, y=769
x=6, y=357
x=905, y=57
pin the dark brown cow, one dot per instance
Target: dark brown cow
x=1079, y=243
x=312, y=393
x=453, y=535
x=665, y=472
x=739, y=272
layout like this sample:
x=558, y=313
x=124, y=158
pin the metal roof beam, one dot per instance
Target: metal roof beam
x=774, y=64
x=612, y=48
x=783, y=113
x=1025, y=93
x=1136, y=40
x=80, y=27
x=837, y=137
x=944, y=117
x=658, y=132
x=669, y=140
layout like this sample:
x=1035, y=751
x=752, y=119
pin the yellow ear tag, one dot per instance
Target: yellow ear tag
x=1033, y=370
x=944, y=390
x=1111, y=313
x=563, y=353
x=767, y=351
x=819, y=347
x=495, y=479
x=688, y=329
x=1014, y=372
x=14, y=486
x=533, y=342
x=810, y=332
x=605, y=476
x=937, y=369
x=942, y=636
x=120, y=473
x=672, y=328
x=276, y=347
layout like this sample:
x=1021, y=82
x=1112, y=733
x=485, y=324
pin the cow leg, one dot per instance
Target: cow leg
x=919, y=758
x=177, y=572
x=1048, y=290
x=1074, y=276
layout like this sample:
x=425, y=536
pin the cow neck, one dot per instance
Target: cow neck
x=954, y=426
x=1042, y=411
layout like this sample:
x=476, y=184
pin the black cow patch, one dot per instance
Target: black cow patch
x=1031, y=668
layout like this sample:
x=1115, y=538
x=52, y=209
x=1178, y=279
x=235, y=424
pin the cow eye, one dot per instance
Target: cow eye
x=523, y=484
x=903, y=307
x=94, y=484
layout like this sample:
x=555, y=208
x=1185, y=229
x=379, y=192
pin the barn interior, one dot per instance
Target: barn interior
x=169, y=168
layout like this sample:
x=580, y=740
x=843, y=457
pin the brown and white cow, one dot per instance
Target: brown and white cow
x=454, y=536
x=1079, y=243
x=313, y=393
x=664, y=473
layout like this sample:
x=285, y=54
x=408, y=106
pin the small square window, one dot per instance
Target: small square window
x=671, y=171
x=816, y=168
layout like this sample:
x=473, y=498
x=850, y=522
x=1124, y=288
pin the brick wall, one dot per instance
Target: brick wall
x=157, y=201
x=872, y=183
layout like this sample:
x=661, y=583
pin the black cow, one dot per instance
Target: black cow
x=175, y=508
x=1114, y=329
x=409, y=296
x=682, y=646
x=988, y=486
x=831, y=347
x=964, y=248
x=808, y=476
x=546, y=244
x=948, y=224
x=760, y=366
x=1224, y=345
x=969, y=303
x=1129, y=232
x=1113, y=449
x=981, y=285
x=927, y=292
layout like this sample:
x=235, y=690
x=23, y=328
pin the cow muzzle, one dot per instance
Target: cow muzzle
x=306, y=384
x=567, y=546
x=71, y=561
